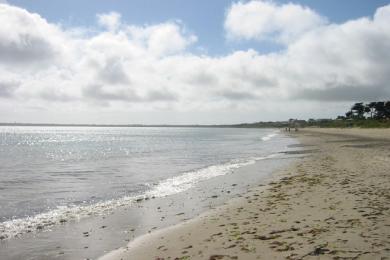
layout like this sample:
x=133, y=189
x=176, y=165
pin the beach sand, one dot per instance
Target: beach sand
x=332, y=204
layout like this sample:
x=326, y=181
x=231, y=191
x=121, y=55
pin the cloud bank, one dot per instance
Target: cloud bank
x=117, y=66
x=266, y=20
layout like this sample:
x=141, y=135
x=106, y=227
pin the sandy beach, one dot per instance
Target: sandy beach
x=178, y=130
x=331, y=204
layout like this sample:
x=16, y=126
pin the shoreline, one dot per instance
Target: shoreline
x=235, y=201
x=93, y=236
x=326, y=205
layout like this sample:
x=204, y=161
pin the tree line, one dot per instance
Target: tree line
x=373, y=110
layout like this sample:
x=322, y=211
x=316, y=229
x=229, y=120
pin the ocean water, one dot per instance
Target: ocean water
x=50, y=175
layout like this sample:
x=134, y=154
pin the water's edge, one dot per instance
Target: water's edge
x=167, y=203
x=262, y=184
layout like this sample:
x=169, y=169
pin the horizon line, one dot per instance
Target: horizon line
x=137, y=125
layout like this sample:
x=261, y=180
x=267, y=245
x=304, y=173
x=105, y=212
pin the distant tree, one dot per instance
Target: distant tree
x=387, y=109
x=358, y=110
x=371, y=106
x=311, y=121
x=348, y=114
x=380, y=110
x=367, y=110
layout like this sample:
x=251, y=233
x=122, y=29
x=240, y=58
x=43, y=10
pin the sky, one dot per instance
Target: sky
x=190, y=62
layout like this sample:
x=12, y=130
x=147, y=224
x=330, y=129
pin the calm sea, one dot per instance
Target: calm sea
x=49, y=175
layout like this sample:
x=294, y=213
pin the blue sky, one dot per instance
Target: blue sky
x=190, y=62
x=203, y=17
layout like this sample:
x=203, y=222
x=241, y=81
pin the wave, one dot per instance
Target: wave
x=188, y=180
x=269, y=136
x=60, y=215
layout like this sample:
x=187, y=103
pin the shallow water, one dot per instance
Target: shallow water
x=55, y=181
x=67, y=171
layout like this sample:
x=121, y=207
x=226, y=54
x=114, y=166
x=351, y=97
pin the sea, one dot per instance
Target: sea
x=54, y=178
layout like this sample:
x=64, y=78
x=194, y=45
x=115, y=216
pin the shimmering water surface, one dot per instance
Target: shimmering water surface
x=50, y=174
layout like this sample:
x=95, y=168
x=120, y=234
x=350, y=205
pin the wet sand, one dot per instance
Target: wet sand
x=332, y=204
x=93, y=236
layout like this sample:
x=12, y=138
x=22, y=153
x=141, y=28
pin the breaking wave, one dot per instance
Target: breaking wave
x=180, y=183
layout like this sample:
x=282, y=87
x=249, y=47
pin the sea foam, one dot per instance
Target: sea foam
x=269, y=136
x=170, y=186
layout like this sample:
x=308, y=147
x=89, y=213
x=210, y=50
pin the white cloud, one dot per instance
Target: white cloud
x=27, y=38
x=162, y=39
x=350, y=55
x=266, y=20
x=126, y=71
x=110, y=21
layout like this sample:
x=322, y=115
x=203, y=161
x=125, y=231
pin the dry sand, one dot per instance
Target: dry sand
x=332, y=204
